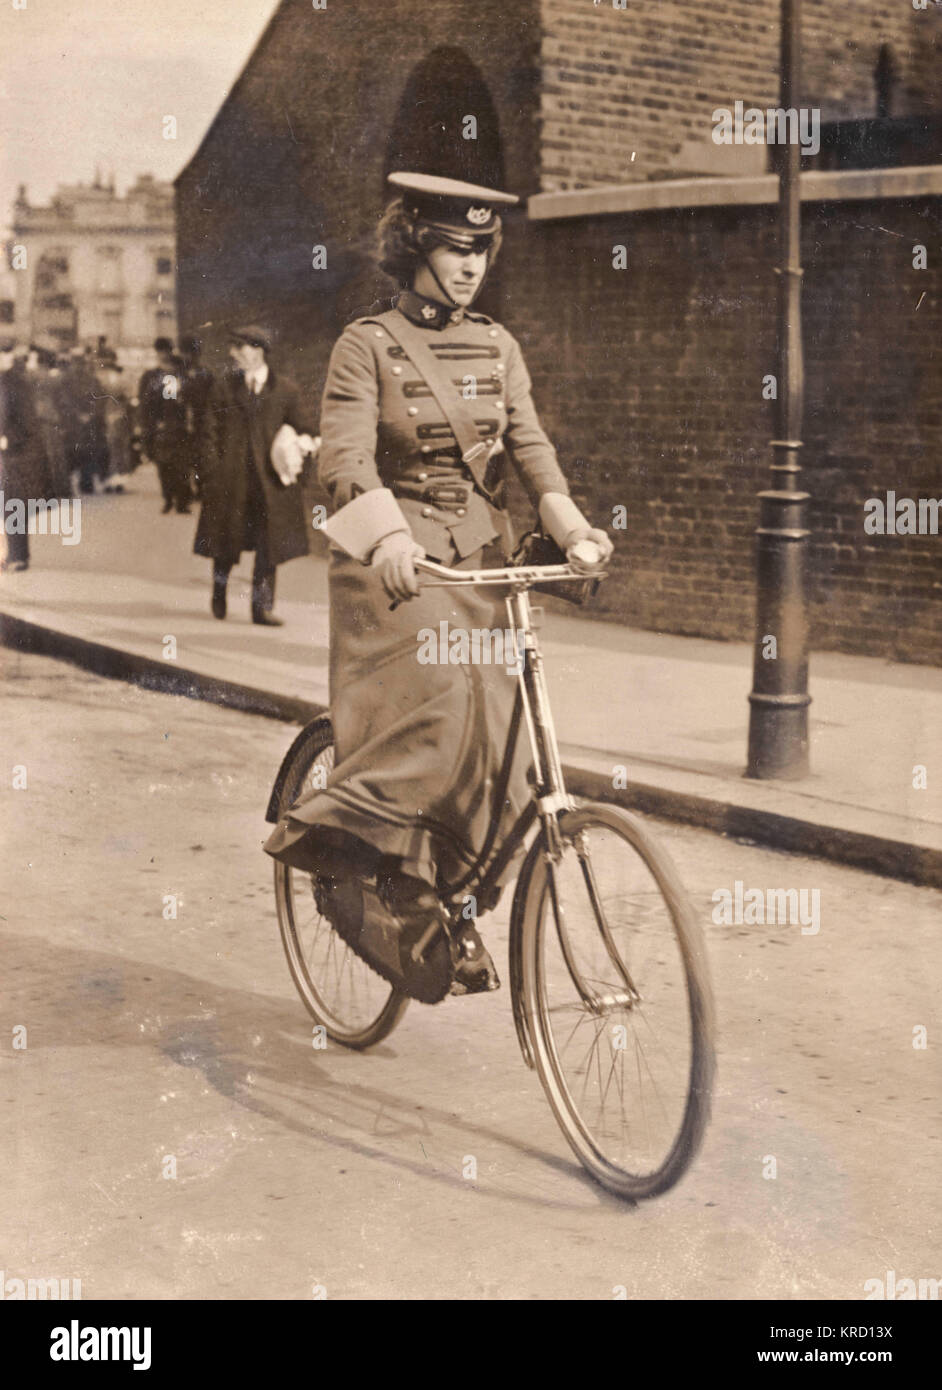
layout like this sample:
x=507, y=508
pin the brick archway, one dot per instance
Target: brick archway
x=426, y=134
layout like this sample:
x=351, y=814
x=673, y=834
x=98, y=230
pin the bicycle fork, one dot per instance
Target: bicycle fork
x=551, y=799
x=551, y=795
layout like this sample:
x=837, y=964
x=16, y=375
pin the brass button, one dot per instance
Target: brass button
x=426, y=511
x=423, y=477
x=488, y=441
x=426, y=448
x=397, y=371
x=498, y=405
x=492, y=332
x=461, y=511
x=379, y=332
x=413, y=410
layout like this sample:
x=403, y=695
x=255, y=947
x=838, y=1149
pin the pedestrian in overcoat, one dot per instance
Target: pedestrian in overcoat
x=247, y=504
x=197, y=388
x=23, y=467
x=163, y=425
x=88, y=441
x=51, y=408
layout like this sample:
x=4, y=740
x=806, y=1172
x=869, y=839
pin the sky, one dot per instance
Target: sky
x=89, y=82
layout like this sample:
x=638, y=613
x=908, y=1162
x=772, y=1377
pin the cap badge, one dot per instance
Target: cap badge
x=478, y=216
x=428, y=311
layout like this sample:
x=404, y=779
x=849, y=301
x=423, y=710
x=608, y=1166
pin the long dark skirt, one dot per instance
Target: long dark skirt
x=418, y=746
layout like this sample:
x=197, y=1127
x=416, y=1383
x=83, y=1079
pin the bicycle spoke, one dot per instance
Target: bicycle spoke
x=339, y=989
x=588, y=1063
x=608, y=1079
x=644, y=1112
x=617, y=970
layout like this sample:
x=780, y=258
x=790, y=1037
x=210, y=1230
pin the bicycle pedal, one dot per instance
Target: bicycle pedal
x=484, y=982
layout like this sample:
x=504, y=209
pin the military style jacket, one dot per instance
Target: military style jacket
x=381, y=426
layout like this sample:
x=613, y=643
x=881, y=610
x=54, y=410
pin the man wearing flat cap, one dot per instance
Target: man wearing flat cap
x=255, y=434
x=416, y=463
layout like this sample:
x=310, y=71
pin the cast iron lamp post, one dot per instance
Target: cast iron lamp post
x=778, y=718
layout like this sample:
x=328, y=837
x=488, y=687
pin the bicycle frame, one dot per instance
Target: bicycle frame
x=550, y=797
x=531, y=702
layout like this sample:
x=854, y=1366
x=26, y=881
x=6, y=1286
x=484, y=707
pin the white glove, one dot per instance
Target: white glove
x=562, y=519
x=393, y=559
x=287, y=455
x=597, y=538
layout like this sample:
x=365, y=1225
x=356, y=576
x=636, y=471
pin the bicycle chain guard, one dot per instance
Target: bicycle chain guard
x=355, y=911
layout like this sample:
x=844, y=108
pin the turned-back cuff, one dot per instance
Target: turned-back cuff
x=359, y=526
x=559, y=517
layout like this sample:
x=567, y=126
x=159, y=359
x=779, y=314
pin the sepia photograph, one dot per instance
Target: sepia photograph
x=470, y=476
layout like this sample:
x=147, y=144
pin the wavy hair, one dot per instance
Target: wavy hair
x=400, y=243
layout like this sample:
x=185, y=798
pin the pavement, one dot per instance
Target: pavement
x=653, y=721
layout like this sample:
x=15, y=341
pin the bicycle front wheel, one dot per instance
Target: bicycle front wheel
x=355, y=1006
x=618, y=1002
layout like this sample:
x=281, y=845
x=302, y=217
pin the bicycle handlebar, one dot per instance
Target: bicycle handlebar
x=524, y=576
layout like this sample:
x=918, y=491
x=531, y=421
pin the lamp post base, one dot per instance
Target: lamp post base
x=778, y=736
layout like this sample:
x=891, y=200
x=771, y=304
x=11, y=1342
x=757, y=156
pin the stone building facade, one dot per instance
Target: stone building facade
x=97, y=265
x=649, y=377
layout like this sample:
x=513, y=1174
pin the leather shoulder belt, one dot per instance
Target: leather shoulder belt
x=474, y=451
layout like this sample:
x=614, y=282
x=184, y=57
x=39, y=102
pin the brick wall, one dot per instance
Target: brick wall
x=650, y=378
x=646, y=79
x=650, y=381
x=296, y=158
x=840, y=47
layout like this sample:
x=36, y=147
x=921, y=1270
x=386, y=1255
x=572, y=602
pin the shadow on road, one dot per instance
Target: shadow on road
x=254, y=1050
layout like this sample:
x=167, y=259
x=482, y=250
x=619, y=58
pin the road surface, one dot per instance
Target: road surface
x=156, y=1046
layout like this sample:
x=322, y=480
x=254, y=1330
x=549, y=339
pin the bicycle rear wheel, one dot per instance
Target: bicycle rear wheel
x=618, y=1003
x=354, y=1005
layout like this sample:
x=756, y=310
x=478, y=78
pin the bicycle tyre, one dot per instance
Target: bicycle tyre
x=370, y=1009
x=677, y=926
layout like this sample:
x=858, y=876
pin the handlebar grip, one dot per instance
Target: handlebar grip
x=586, y=552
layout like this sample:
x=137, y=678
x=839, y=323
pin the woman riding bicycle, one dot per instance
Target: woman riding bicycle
x=418, y=407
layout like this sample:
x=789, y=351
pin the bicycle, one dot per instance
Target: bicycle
x=608, y=974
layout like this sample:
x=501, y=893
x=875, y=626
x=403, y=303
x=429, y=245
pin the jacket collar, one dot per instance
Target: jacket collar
x=428, y=313
x=239, y=385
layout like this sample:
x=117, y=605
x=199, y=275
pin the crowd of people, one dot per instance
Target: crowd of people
x=237, y=441
x=73, y=424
